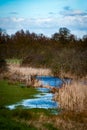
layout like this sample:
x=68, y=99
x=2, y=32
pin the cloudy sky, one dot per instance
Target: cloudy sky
x=44, y=16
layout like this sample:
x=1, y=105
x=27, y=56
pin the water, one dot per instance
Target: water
x=43, y=100
x=50, y=80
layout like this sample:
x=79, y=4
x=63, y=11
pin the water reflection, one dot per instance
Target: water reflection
x=50, y=80
x=43, y=100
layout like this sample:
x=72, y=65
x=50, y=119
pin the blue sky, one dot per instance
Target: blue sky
x=44, y=16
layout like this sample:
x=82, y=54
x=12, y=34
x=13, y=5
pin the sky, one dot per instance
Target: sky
x=44, y=16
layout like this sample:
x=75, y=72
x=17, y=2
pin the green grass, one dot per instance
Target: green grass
x=10, y=124
x=12, y=119
x=16, y=119
x=10, y=94
x=13, y=61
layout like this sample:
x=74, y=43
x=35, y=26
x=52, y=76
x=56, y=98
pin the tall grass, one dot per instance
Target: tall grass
x=29, y=70
x=73, y=96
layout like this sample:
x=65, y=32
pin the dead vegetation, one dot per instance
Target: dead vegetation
x=73, y=96
x=65, y=121
x=25, y=75
x=28, y=70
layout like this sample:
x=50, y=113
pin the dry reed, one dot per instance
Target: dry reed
x=73, y=96
x=29, y=70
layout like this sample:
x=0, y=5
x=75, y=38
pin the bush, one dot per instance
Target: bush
x=71, y=61
x=2, y=62
x=3, y=65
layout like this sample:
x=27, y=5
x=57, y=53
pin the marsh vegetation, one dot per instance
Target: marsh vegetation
x=62, y=55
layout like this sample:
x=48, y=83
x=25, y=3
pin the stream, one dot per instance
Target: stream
x=43, y=100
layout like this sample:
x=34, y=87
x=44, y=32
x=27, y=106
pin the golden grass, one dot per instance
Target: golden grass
x=28, y=70
x=73, y=96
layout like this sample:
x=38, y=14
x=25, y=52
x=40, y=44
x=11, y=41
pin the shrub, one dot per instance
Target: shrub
x=3, y=65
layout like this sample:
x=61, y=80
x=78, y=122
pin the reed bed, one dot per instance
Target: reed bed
x=73, y=96
x=28, y=70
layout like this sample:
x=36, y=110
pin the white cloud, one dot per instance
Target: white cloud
x=14, y=19
x=68, y=11
x=48, y=26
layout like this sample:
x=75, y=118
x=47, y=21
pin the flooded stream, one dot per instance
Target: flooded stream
x=50, y=81
x=43, y=100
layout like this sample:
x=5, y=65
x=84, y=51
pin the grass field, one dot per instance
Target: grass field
x=10, y=93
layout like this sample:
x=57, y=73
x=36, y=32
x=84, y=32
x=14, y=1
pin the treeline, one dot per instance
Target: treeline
x=63, y=52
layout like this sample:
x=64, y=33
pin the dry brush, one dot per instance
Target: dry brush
x=73, y=96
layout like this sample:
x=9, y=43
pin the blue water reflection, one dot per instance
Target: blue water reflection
x=43, y=100
x=50, y=80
